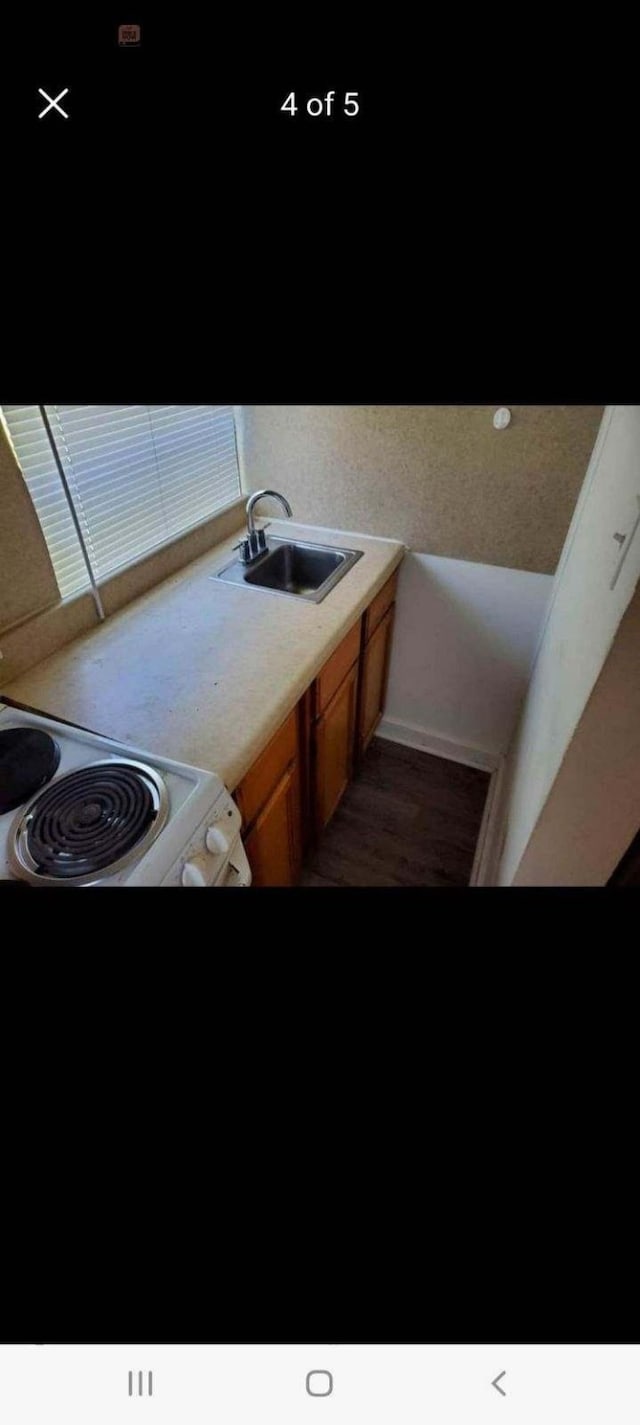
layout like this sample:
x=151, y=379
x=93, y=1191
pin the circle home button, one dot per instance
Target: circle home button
x=319, y=1383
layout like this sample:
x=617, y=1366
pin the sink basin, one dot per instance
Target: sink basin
x=293, y=567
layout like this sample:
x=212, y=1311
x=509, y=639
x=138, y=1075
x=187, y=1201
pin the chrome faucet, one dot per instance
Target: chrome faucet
x=255, y=544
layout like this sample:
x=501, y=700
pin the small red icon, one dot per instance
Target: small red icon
x=128, y=34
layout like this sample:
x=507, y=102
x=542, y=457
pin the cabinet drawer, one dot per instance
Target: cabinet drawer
x=335, y=670
x=378, y=608
x=267, y=770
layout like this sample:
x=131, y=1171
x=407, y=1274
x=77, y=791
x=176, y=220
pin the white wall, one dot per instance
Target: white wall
x=584, y=615
x=464, y=640
x=592, y=812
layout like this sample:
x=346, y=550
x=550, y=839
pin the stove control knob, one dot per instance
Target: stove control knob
x=216, y=842
x=194, y=872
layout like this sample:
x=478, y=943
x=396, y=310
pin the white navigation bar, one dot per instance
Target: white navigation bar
x=319, y=1385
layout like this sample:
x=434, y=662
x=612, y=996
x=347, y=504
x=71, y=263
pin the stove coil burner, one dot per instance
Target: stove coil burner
x=99, y=818
x=28, y=759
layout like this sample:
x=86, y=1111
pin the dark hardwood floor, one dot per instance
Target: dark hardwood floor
x=407, y=819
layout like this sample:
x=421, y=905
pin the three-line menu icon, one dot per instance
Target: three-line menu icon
x=139, y=1376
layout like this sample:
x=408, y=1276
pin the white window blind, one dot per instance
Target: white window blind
x=138, y=475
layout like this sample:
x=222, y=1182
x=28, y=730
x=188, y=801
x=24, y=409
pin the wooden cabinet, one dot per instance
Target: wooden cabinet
x=336, y=669
x=270, y=804
x=333, y=748
x=259, y=782
x=375, y=668
x=333, y=710
x=274, y=846
x=378, y=607
x=294, y=787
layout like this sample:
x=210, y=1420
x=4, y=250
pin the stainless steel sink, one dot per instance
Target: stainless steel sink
x=296, y=569
x=293, y=567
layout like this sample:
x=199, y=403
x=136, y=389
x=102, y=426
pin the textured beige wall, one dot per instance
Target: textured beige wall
x=438, y=477
x=593, y=810
x=27, y=580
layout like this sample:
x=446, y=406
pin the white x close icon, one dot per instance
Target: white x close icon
x=53, y=103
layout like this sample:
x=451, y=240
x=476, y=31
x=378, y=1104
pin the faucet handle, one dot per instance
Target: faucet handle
x=245, y=550
x=251, y=547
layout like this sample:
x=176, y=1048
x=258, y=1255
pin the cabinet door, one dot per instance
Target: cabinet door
x=334, y=736
x=375, y=666
x=274, y=845
x=263, y=777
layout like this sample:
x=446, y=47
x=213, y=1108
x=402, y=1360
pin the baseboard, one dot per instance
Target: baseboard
x=484, y=869
x=424, y=741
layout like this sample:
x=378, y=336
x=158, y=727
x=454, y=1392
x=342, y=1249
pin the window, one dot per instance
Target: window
x=138, y=477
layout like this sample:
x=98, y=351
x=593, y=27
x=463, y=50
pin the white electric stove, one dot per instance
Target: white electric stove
x=78, y=809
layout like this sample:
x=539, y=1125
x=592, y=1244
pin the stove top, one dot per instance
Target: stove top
x=79, y=809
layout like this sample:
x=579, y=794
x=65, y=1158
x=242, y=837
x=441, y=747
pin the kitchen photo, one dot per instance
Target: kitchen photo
x=323, y=646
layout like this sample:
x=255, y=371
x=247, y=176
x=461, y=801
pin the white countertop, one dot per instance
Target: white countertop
x=201, y=670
